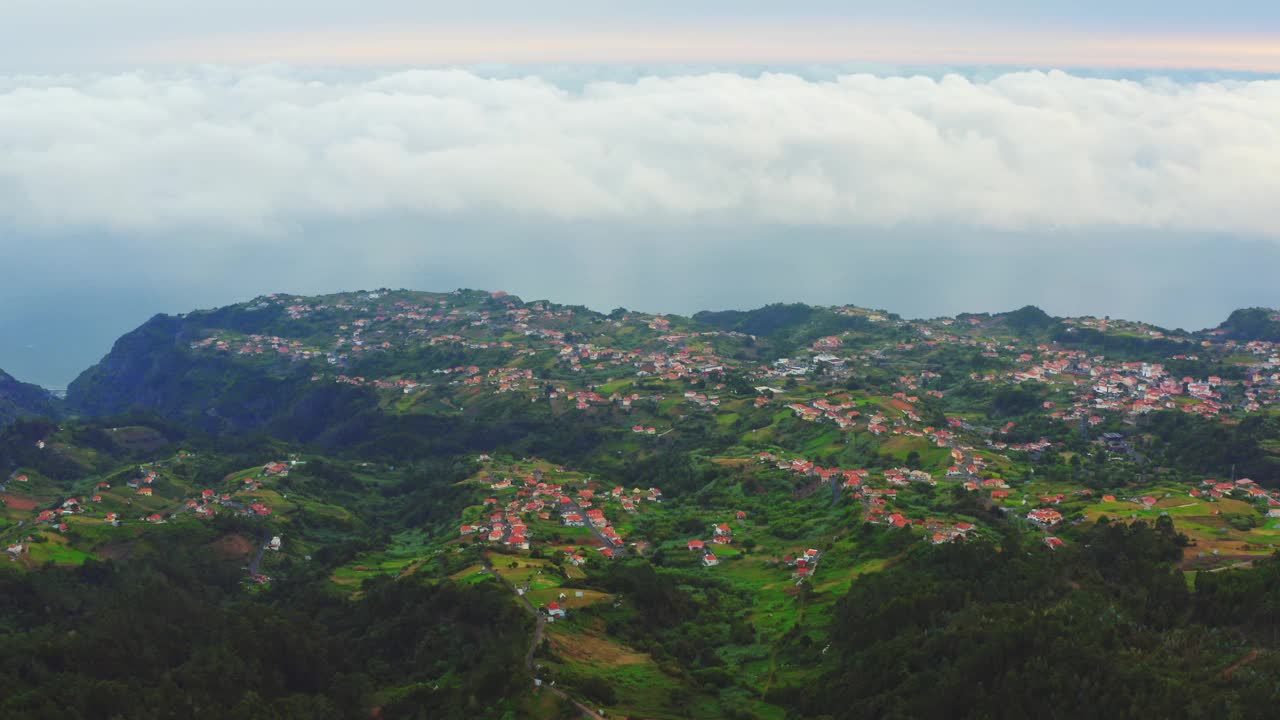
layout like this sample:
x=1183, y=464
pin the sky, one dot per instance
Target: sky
x=1110, y=158
x=1238, y=34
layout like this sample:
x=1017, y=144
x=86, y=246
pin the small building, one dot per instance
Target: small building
x=1044, y=517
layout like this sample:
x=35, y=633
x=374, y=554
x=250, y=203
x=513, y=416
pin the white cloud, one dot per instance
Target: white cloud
x=251, y=151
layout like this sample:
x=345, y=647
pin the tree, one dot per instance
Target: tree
x=913, y=460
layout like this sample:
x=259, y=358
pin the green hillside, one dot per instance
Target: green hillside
x=741, y=514
x=22, y=400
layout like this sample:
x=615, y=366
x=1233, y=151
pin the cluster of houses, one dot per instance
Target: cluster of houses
x=402, y=385
x=942, y=533
x=1139, y=388
x=205, y=506
x=709, y=558
x=257, y=345
x=1243, y=488
x=1097, y=385
x=721, y=534
x=702, y=400
x=842, y=414
x=535, y=496
x=803, y=565
x=502, y=528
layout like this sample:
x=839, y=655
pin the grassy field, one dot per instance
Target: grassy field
x=407, y=549
x=57, y=550
x=540, y=597
x=642, y=689
x=1215, y=541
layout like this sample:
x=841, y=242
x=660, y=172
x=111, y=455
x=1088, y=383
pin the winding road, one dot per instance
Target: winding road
x=539, y=631
x=257, y=558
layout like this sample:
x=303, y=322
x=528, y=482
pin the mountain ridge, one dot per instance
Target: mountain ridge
x=19, y=400
x=157, y=368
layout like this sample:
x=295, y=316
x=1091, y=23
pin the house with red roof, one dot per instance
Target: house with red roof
x=1045, y=517
x=276, y=468
x=710, y=560
x=696, y=545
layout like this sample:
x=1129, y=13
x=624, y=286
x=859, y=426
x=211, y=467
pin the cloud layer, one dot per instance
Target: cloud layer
x=252, y=151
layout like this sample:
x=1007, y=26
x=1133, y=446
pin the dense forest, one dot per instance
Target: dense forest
x=175, y=637
x=1105, y=629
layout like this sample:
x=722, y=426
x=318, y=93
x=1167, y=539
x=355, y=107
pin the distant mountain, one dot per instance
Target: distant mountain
x=1029, y=317
x=788, y=327
x=333, y=368
x=19, y=400
x=1252, y=324
x=154, y=370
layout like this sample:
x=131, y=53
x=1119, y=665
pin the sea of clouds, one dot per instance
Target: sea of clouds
x=255, y=151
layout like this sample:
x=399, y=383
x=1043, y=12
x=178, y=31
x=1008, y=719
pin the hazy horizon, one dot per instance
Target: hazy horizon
x=56, y=333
